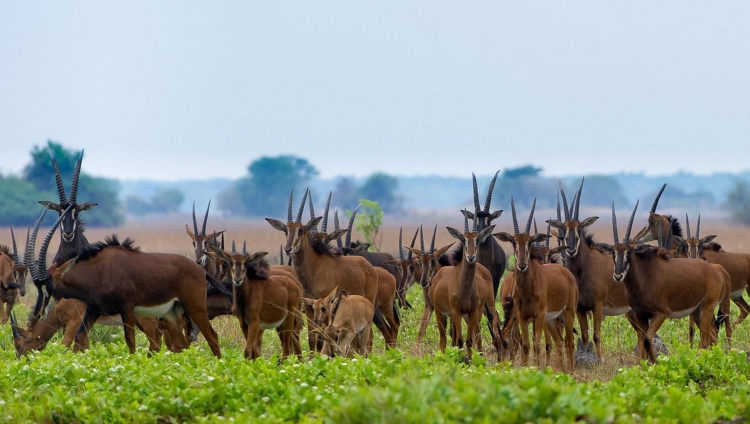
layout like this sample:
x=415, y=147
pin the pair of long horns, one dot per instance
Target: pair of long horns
x=401, y=245
x=489, y=194
x=244, y=248
x=205, y=219
x=421, y=240
x=466, y=222
x=38, y=268
x=58, y=179
x=324, y=222
x=301, y=206
x=570, y=214
x=630, y=224
x=515, y=220
x=536, y=231
x=348, y=239
x=697, y=229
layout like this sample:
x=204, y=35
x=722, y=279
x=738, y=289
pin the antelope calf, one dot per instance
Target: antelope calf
x=465, y=290
x=542, y=294
x=264, y=300
x=350, y=326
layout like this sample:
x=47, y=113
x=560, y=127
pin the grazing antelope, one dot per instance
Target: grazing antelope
x=264, y=300
x=660, y=287
x=318, y=269
x=464, y=291
x=350, y=318
x=542, y=293
x=66, y=314
x=492, y=255
x=117, y=278
x=598, y=293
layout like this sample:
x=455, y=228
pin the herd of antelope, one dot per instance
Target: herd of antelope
x=338, y=291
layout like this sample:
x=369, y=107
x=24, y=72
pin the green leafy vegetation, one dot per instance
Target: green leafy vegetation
x=368, y=222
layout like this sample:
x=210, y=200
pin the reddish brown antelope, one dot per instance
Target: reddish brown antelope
x=66, y=314
x=12, y=277
x=598, y=293
x=464, y=291
x=492, y=255
x=117, y=278
x=350, y=318
x=542, y=294
x=660, y=287
x=264, y=300
x=202, y=243
x=318, y=269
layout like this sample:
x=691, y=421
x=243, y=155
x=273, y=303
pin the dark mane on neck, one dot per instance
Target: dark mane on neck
x=93, y=249
x=712, y=246
x=675, y=226
x=5, y=249
x=258, y=270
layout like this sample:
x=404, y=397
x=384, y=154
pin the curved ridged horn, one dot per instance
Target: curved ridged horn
x=14, y=324
x=244, y=247
x=656, y=201
x=195, y=221
x=476, y=193
x=339, y=243
x=289, y=210
x=698, y=228
x=549, y=229
x=489, y=193
x=28, y=256
x=466, y=222
x=348, y=241
x=74, y=184
x=531, y=216
x=324, y=223
x=432, y=242
x=15, y=249
x=559, y=216
x=565, y=202
x=421, y=239
x=42, y=271
x=234, y=249
x=513, y=212
x=577, y=202
x=281, y=254
x=302, y=205
x=687, y=225
x=310, y=202
x=614, y=224
x=413, y=240
x=58, y=179
x=630, y=222
x=535, y=229
x=400, y=244
x=205, y=219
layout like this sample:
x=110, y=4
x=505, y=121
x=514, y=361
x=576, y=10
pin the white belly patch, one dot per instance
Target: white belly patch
x=551, y=316
x=737, y=293
x=270, y=325
x=611, y=311
x=681, y=314
x=160, y=310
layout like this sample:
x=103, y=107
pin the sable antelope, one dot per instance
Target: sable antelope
x=406, y=266
x=386, y=316
x=660, y=287
x=12, y=277
x=542, y=293
x=349, y=325
x=492, y=255
x=649, y=232
x=264, y=301
x=318, y=269
x=465, y=291
x=202, y=243
x=598, y=293
x=66, y=314
x=72, y=240
x=117, y=278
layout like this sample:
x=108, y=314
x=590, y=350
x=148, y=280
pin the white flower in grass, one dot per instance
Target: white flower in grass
x=265, y=399
x=304, y=384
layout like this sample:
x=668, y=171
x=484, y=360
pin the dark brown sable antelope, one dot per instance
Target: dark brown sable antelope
x=542, y=294
x=66, y=314
x=464, y=291
x=492, y=255
x=318, y=269
x=598, y=293
x=202, y=243
x=386, y=316
x=264, y=300
x=406, y=269
x=12, y=277
x=72, y=240
x=660, y=287
x=117, y=278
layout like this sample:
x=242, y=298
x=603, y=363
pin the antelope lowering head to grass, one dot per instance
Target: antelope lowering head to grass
x=660, y=287
x=349, y=327
x=114, y=278
x=542, y=293
x=598, y=293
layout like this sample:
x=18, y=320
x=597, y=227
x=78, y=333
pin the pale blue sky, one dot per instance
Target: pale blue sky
x=186, y=89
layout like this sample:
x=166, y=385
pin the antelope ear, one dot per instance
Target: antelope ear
x=342, y=332
x=455, y=233
x=642, y=248
x=308, y=302
x=220, y=253
x=337, y=234
x=313, y=223
x=413, y=250
x=51, y=205
x=86, y=206
x=275, y=223
x=503, y=236
x=23, y=333
x=467, y=214
x=495, y=215
x=215, y=235
x=485, y=233
x=362, y=248
x=190, y=233
x=557, y=250
x=588, y=221
x=257, y=256
x=443, y=249
x=602, y=247
x=555, y=224
x=538, y=238
x=708, y=239
x=394, y=262
x=67, y=266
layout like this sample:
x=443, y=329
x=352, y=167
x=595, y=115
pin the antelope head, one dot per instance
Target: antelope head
x=622, y=252
x=323, y=309
x=649, y=232
x=693, y=246
x=483, y=217
x=405, y=266
x=68, y=208
x=522, y=242
x=427, y=262
x=471, y=239
x=20, y=268
x=201, y=241
x=238, y=262
x=292, y=229
x=24, y=340
x=570, y=230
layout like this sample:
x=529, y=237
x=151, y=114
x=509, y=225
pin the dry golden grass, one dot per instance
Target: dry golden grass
x=168, y=235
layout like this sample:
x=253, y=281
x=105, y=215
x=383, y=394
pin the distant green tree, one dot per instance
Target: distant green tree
x=381, y=188
x=265, y=191
x=163, y=201
x=738, y=202
x=368, y=222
